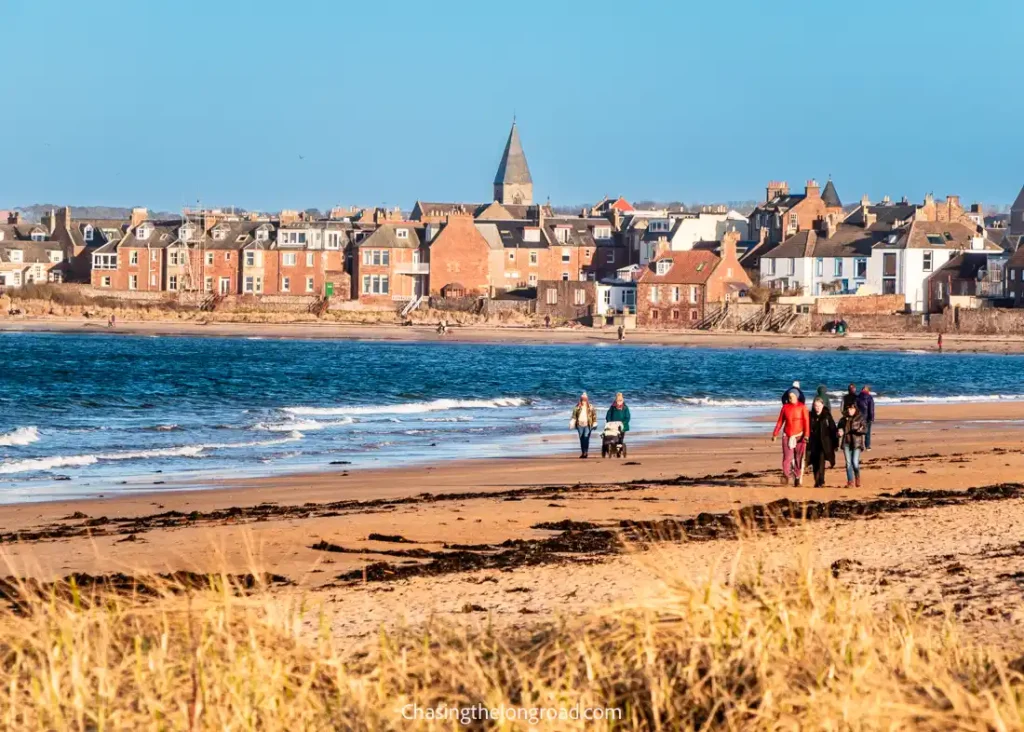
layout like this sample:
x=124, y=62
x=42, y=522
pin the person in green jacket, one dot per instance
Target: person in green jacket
x=619, y=412
x=822, y=394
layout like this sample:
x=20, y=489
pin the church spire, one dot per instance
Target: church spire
x=512, y=182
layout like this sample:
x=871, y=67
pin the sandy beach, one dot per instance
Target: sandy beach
x=398, y=545
x=952, y=343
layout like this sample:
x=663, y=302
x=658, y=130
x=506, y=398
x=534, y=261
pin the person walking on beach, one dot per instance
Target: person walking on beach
x=584, y=420
x=821, y=444
x=792, y=423
x=851, y=436
x=822, y=394
x=619, y=412
x=795, y=388
x=940, y=342
x=622, y=332
x=866, y=405
x=850, y=397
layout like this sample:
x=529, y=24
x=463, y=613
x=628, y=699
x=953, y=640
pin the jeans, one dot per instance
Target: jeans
x=584, y=433
x=792, y=459
x=867, y=438
x=852, y=463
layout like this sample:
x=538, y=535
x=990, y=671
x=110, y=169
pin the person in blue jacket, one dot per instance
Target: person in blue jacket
x=866, y=405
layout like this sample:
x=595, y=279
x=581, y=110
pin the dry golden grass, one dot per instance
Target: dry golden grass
x=765, y=650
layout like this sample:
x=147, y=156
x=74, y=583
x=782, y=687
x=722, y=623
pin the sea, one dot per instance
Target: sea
x=104, y=414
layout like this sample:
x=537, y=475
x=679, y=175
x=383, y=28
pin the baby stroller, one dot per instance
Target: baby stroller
x=612, y=444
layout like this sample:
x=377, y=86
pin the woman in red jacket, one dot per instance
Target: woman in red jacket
x=794, y=423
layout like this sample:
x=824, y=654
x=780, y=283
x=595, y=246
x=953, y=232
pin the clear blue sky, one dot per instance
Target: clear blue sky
x=165, y=103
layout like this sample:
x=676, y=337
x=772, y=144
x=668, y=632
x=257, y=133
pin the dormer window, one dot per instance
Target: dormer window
x=562, y=234
x=262, y=234
x=88, y=233
x=602, y=232
x=220, y=234
x=531, y=234
x=185, y=233
x=658, y=225
x=664, y=265
x=402, y=233
x=240, y=238
x=56, y=257
x=17, y=256
x=143, y=232
x=38, y=236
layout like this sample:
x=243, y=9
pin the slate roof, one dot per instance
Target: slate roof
x=692, y=267
x=782, y=203
x=490, y=234
x=885, y=213
x=164, y=234
x=386, y=238
x=512, y=235
x=943, y=234
x=965, y=266
x=830, y=196
x=32, y=252
x=513, y=168
x=21, y=232
x=847, y=241
x=1016, y=259
x=77, y=229
x=1019, y=202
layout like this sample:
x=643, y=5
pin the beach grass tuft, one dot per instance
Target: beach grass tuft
x=756, y=648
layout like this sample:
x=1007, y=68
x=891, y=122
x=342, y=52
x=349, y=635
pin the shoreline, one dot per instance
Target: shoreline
x=482, y=334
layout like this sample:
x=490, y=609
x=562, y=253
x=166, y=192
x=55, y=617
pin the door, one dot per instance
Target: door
x=417, y=284
x=225, y=286
x=329, y=289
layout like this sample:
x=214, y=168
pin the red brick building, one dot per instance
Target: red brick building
x=784, y=214
x=459, y=254
x=391, y=264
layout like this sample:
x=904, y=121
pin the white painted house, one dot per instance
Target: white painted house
x=833, y=260
x=682, y=230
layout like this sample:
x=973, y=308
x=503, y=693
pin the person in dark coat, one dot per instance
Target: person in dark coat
x=866, y=406
x=851, y=437
x=850, y=397
x=822, y=394
x=821, y=445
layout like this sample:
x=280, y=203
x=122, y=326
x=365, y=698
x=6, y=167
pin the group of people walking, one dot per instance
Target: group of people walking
x=813, y=435
x=584, y=420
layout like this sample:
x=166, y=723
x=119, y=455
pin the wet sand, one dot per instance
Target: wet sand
x=952, y=343
x=557, y=534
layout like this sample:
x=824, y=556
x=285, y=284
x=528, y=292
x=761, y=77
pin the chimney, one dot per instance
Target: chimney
x=776, y=188
x=49, y=221
x=540, y=215
x=869, y=220
x=138, y=216
x=865, y=201
x=976, y=208
x=616, y=219
x=829, y=226
x=729, y=241
x=62, y=220
x=886, y=200
x=14, y=218
x=953, y=201
x=812, y=189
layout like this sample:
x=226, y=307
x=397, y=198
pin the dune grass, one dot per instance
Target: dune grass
x=779, y=649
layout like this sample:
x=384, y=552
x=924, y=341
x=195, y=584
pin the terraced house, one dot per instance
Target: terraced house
x=29, y=255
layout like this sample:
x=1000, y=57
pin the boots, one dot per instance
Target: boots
x=784, y=480
x=858, y=481
x=849, y=484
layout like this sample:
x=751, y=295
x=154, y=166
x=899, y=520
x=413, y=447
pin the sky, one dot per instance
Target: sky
x=270, y=105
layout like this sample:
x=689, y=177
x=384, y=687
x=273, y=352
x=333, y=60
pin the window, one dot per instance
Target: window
x=89, y=233
x=663, y=266
x=332, y=240
x=152, y=279
x=512, y=255
x=104, y=261
x=377, y=257
x=56, y=257
x=174, y=258
x=227, y=256
x=693, y=294
x=794, y=221
x=240, y=238
x=837, y=267
x=104, y=281
x=532, y=279
x=609, y=256
x=220, y=234
x=566, y=255
x=819, y=266
x=401, y=233
x=531, y=234
x=927, y=264
x=580, y=297
x=675, y=315
x=860, y=267
x=602, y=232
x=658, y=225
x=286, y=284
x=309, y=284
x=17, y=256
x=654, y=315
x=654, y=293
x=936, y=240
x=771, y=266
x=309, y=259
x=38, y=236
x=551, y=297
x=939, y=288
x=143, y=232
x=209, y=259
x=533, y=259
x=565, y=276
x=607, y=296
x=172, y=282
x=301, y=237
x=562, y=234
x=250, y=259
x=208, y=284
x=675, y=294
x=1013, y=274
x=375, y=285
x=288, y=259
x=262, y=234
x=253, y=284
x=693, y=315
x=133, y=282
x=133, y=258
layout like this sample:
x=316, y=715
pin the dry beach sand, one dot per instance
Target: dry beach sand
x=517, y=540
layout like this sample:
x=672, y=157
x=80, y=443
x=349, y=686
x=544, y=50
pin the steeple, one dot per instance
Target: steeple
x=512, y=182
x=829, y=195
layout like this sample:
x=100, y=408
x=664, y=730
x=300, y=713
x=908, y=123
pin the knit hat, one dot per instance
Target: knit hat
x=796, y=384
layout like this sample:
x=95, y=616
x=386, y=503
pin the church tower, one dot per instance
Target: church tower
x=512, y=183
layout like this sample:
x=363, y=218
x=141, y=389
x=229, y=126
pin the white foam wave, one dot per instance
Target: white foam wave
x=19, y=437
x=713, y=402
x=911, y=399
x=33, y=465
x=306, y=425
x=437, y=405
x=448, y=419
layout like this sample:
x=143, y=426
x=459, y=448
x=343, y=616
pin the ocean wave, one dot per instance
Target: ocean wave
x=436, y=405
x=32, y=465
x=20, y=437
x=448, y=419
x=724, y=402
x=305, y=425
x=836, y=396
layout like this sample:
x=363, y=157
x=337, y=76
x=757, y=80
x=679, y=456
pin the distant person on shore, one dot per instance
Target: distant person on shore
x=821, y=445
x=850, y=397
x=940, y=342
x=793, y=423
x=851, y=436
x=622, y=332
x=619, y=412
x=795, y=388
x=866, y=405
x=584, y=420
x=822, y=394
x=113, y=321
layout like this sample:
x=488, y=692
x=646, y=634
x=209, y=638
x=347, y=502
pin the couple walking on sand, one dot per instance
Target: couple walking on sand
x=584, y=420
x=815, y=436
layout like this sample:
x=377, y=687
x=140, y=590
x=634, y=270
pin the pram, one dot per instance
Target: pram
x=612, y=444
